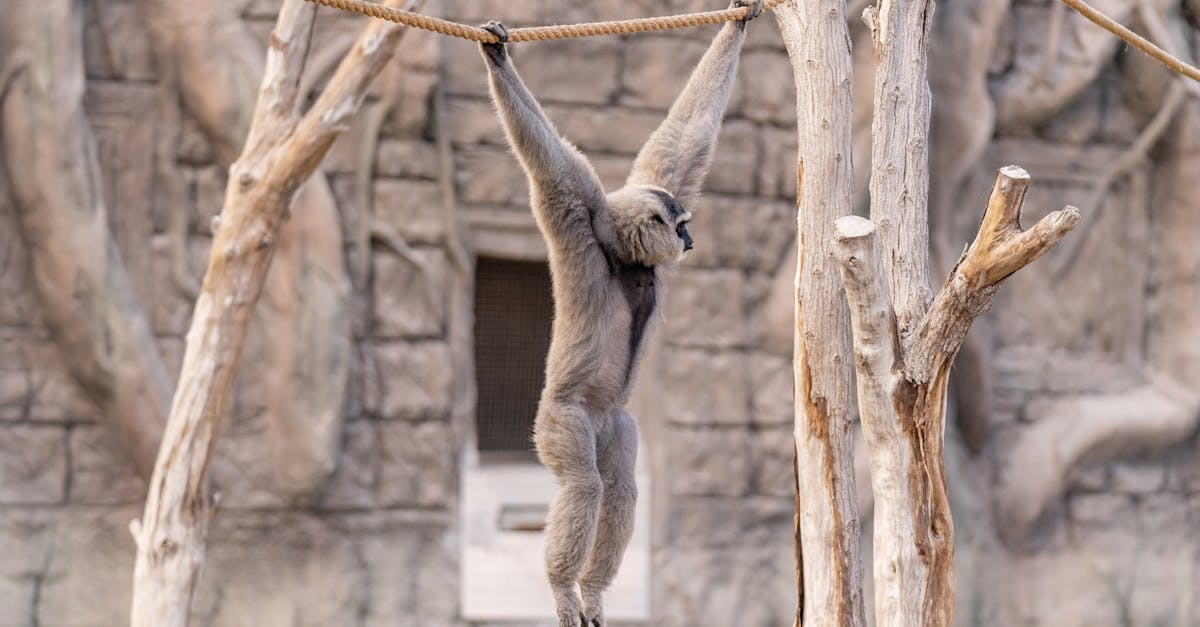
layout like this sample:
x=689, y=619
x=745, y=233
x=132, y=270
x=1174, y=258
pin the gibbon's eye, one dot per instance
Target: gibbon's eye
x=658, y=219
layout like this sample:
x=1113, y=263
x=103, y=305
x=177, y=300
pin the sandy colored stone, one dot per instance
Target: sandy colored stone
x=417, y=460
x=704, y=308
x=408, y=380
x=33, y=464
x=709, y=387
x=409, y=301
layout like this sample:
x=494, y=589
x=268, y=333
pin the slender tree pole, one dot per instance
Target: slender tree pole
x=829, y=561
x=282, y=151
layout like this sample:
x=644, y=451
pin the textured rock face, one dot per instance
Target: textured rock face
x=380, y=544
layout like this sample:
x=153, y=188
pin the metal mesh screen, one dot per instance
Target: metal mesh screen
x=513, y=311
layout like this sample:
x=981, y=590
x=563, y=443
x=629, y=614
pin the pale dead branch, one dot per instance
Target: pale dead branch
x=282, y=151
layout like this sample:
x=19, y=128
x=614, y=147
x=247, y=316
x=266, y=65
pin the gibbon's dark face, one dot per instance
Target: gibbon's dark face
x=674, y=214
x=651, y=225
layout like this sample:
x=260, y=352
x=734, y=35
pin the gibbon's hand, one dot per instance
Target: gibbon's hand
x=756, y=8
x=495, y=52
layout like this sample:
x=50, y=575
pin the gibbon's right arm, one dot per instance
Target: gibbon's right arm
x=555, y=167
x=677, y=155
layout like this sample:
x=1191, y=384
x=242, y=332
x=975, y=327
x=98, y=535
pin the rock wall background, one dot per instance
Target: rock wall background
x=379, y=546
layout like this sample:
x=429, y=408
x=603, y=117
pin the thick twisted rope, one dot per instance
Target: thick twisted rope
x=687, y=20
x=541, y=33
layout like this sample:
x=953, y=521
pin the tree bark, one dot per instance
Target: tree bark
x=830, y=571
x=902, y=394
x=283, y=149
x=307, y=292
x=86, y=295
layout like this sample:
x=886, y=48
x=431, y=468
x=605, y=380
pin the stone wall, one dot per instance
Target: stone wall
x=380, y=544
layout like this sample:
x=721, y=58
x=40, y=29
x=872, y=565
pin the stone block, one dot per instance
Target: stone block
x=709, y=387
x=771, y=459
x=410, y=114
x=242, y=472
x=86, y=581
x=408, y=380
x=53, y=394
x=575, y=71
x=101, y=471
x=1089, y=478
x=771, y=389
x=416, y=464
x=710, y=462
x=472, y=121
x=582, y=71
x=704, y=308
x=727, y=523
x=33, y=463
x=740, y=232
x=487, y=174
x=604, y=129
x=171, y=310
x=409, y=301
x=27, y=543
x=766, y=90
x=412, y=208
x=746, y=586
x=612, y=169
x=1103, y=513
x=656, y=68
x=407, y=158
x=392, y=543
x=735, y=164
x=777, y=176
x=1138, y=477
x=524, y=12
x=280, y=569
x=353, y=482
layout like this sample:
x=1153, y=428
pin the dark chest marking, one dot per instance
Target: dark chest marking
x=641, y=293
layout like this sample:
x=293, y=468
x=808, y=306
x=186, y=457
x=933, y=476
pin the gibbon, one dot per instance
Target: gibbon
x=606, y=253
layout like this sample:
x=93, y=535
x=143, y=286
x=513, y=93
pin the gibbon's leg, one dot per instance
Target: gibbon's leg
x=616, y=459
x=566, y=443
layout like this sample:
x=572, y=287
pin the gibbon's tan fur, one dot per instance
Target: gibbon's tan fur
x=606, y=253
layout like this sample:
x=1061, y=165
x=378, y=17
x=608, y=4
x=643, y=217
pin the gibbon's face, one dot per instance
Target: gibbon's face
x=651, y=224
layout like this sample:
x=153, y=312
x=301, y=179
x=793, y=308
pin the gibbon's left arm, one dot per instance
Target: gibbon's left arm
x=677, y=155
x=554, y=166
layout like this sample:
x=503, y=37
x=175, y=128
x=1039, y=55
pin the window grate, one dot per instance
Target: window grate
x=513, y=313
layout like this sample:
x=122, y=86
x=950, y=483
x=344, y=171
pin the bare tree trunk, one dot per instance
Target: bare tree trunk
x=830, y=568
x=283, y=149
x=307, y=291
x=902, y=394
x=86, y=295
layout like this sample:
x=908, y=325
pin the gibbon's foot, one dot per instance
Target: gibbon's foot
x=756, y=8
x=495, y=52
x=592, y=606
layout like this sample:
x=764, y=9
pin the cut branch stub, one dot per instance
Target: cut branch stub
x=1000, y=249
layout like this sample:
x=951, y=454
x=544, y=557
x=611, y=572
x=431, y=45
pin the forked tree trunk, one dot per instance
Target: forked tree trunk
x=902, y=352
x=829, y=562
x=305, y=306
x=282, y=151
